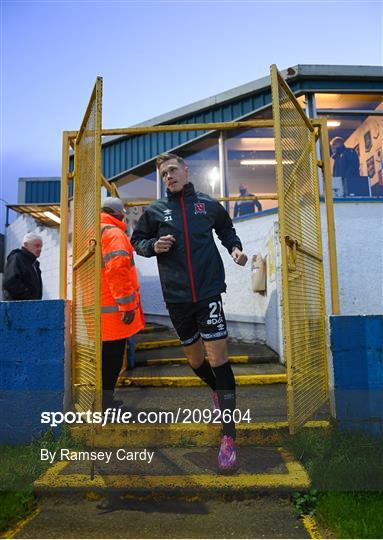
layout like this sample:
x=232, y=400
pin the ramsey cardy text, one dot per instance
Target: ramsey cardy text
x=104, y=456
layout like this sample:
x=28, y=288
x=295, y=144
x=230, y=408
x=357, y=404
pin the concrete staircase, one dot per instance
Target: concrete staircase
x=184, y=453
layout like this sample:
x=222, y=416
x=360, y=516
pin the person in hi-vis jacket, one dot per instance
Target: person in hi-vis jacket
x=121, y=312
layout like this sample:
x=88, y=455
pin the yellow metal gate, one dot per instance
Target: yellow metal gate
x=302, y=263
x=86, y=322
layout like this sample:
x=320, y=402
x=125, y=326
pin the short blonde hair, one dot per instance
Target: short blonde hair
x=167, y=156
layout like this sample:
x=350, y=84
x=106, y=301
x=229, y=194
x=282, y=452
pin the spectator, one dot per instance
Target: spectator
x=346, y=160
x=242, y=208
x=22, y=274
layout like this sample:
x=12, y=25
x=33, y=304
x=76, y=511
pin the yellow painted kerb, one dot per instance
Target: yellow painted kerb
x=311, y=527
x=13, y=531
x=235, y=359
x=295, y=478
x=145, y=345
x=202, y=435
x=191, y=381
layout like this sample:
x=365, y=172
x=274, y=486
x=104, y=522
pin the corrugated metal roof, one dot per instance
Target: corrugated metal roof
x=121, y=154
x=46, y=191
x=126, y=153
x=43, y=191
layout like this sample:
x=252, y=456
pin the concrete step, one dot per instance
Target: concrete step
x=180, y=471
x=182, y=360
x=266, y=403
x=149, y=343
x=151, y=328
x=193, y=381
x=183, y=376
x=179, y=434
x=257, y=353
x=153, y=335
x=181, y=370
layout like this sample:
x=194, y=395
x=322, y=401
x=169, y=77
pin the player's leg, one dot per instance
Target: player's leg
x=185, y=324
x=195, y=355
x=225, y=389
x=225, y=382
x=212, y=326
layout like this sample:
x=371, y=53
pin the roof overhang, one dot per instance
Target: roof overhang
x=40, y=212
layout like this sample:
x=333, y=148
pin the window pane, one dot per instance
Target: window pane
x=348, y=101
x=251, y=164
x=302, y=101
x=358, y=160
x=139, y=186
x=203, y=161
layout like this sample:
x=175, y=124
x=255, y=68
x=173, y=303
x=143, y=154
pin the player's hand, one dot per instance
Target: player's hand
x=239, y=257
x=127, y=316
x=164, y=243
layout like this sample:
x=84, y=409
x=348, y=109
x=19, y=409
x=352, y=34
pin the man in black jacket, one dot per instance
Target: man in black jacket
x=178, y=229
x=243, y=208
x=346, y=162
x=22, y=275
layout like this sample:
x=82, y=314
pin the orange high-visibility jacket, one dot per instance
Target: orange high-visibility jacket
x=120, y=290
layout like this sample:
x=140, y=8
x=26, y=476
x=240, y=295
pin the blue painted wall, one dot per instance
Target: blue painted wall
x=38, y=192
x=32, y=352
x=357, y=348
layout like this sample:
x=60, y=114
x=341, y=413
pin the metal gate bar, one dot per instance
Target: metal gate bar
x=302, y=260
x=86, y=301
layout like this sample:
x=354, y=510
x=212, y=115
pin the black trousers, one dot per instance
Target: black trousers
x=112, y=357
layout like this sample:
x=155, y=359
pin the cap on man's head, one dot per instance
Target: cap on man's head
x=113, y=203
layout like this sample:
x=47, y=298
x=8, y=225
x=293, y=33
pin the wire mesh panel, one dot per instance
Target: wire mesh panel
x=302, y=264
x=86, y=323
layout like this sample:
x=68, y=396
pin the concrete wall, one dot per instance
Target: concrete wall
x=251, y=316
x=34, y=365
x=246, y=311
x=359, y=237
x=258, y=235
x=356, y=344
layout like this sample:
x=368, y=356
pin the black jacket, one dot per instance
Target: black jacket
x=346, y=163
x=22, y=276
x=243, y=208
x=192, y=270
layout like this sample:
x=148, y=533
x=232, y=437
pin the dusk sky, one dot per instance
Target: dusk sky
x=154, y=57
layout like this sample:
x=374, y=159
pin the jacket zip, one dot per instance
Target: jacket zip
x=194, y=296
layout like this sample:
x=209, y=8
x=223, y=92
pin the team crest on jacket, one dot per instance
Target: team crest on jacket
x=199, y=208
x=168, y=215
